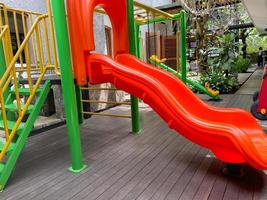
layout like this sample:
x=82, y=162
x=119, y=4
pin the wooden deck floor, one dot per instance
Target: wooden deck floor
x=158, y=164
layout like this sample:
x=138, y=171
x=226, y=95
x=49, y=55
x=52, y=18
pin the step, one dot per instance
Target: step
x=2, y=144
x=10, y=125
x=13, y=107
x=2, y=166
x=25, y=91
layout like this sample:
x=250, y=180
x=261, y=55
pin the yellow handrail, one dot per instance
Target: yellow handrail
x=52, y=33
x=20, y=50
x=39, y=39
x=142, y=11
x=11, y=72
x=20, y=10
x=46, y=31
x=3, y=31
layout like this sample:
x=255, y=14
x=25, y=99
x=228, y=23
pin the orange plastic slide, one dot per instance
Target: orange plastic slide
x=233, y=135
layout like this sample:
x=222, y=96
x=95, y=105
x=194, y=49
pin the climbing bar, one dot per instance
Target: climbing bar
x=42, y=39
x=97, y=89
x=140, y=13
x=145, y=8
x=107, y=102
x=108, y=114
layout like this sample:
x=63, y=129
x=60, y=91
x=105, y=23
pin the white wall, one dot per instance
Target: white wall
x=33, y=5
x=155, y=2
x=257, y=10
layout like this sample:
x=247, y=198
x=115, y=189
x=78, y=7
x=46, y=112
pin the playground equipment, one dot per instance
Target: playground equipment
x=259, y=106
x=22, y=101
x=257, y=12
x=195, y=84
x=233, y=135
x=145, y=15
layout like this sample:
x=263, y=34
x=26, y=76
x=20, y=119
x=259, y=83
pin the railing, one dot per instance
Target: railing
x=95, y=101
x=41, y=49
x=34, y=56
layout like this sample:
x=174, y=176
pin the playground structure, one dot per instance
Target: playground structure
x=151, y=17
x=233, y=135
x=23, y=101
x=258, y=15
x=259, y=107
x=206, y=90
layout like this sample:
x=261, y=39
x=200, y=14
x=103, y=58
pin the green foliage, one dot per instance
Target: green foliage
x=241, y=64
x=225, y=61
x=218, y=81
x=254, y=42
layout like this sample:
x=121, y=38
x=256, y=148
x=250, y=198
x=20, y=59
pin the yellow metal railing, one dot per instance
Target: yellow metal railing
x=36, y=52
x=41, y=49
x=142, y=13
x=105, y=102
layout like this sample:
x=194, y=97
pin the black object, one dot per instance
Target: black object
x=256, y=114
x=255, y=96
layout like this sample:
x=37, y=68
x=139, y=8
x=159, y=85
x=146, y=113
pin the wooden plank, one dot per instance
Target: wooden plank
x=197, y=179
x=138, y=180
x=166, y=187
x=152, y=188
x=52, y=156
x=91, y=176
x=139, y=171
x=206, y=186
x=141, y=161
x=219, y=187
x=183, y=181
x=246, y=184
x=48, y=180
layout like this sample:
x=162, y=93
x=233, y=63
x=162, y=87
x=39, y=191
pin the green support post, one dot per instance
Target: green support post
x=68, y=86
x=137, y=40
x=3, y=65
x=134, y=101
x=160, y=19
x=183, y=45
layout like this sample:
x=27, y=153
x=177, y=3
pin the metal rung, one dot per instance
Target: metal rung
x=107, y=102
x=97, y=89
x=107, y=114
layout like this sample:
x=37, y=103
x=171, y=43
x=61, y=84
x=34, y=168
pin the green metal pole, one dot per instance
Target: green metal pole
x=68, y=86
x=160, y=19
x=3, y=65
x=183, y=44
x=137, y=40
x=134, y=101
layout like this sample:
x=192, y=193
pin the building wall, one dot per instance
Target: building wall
x=33, y=5
x=155, y=2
